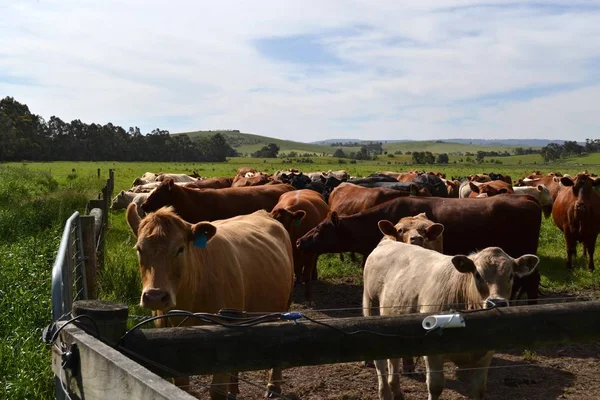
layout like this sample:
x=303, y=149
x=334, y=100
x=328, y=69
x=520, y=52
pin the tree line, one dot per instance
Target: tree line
x=555, y=151
x=26, y=136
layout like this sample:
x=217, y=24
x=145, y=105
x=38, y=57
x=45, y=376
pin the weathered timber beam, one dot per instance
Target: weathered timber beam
x=104, y=373
x=210, y=349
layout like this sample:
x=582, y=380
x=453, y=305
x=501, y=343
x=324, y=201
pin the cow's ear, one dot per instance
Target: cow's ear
x=502, y=191
x=171, y=183
x=474, y=187
x=525, y=265
x=122, y=192
x=202, y=232
x=334, y=218
x=434, y=231
x=463, y=264
x=540, y=188
x=133, y=218
x=566, y=181
x=299, y=216
x=387, y=228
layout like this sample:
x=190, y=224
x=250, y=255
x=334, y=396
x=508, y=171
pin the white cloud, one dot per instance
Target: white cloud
x=427, y=69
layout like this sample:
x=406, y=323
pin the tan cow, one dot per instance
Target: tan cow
x=541, y=193
x=300, y=211
x=417, y=230
x=401, y=279
x=489, y=189
x=123, y=199
x=148, y=187
x=243, y=263
x=175, y=177
x=146, y=178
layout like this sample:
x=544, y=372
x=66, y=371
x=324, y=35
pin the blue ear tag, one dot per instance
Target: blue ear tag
x=200, y=241
x=297, y=222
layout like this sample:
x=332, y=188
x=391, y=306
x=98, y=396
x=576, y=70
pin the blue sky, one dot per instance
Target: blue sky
x=311, y=70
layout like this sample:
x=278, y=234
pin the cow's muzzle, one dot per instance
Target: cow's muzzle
x=156, y=299
x=492, y=303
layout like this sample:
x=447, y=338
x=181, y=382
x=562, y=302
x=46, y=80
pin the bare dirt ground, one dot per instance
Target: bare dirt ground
x=551, y=372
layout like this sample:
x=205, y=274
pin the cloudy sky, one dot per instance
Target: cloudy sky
x=310, y=70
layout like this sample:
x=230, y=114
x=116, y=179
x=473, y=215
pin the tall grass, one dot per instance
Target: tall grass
x=33, y=208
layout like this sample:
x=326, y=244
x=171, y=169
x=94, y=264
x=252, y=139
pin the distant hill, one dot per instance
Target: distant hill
x=246, y=143
x=478, y=142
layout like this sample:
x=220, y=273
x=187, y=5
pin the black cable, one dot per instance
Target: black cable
x=55, y=335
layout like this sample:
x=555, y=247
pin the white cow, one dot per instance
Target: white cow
x=401, y=278
x=541, y=193
x=123, y=199
x=175, y=177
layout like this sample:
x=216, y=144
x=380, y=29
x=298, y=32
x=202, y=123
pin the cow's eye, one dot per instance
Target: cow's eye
x=180, y=250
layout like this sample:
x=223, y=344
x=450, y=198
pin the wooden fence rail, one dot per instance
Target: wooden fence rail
x=210, y=349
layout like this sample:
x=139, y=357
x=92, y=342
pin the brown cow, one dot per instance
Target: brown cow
x=348, y=199
x=481, y=178
x=300, y=211
x=469, y=225
x=453, y=187
x=255, y=180
x=210, y=183
x=576, y=212
x=242, y=263
x=489, y=189
x=195, y=205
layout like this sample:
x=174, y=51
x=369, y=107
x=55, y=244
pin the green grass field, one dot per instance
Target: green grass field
x=36, y=199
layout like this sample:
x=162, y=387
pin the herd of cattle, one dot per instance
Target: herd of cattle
x=209, y=244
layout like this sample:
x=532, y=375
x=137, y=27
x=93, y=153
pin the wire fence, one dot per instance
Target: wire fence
x=69, y=272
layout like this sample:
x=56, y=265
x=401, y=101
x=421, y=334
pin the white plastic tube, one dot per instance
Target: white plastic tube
x=443, y=321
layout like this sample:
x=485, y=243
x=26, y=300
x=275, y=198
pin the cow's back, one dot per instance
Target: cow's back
x=256, y=251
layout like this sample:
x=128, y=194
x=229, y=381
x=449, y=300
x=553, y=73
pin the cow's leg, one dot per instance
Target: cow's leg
x=394, y=378
x=315, y=274
x=435, y=376
x=309, y=262
x=590, y=245
x=352, y=257
x=408, y=365
x=219, y=387
x=274, y=384
x=342, y=257
x=234, y=388
x=385, y=392
x=480, y=376
x=571, y=242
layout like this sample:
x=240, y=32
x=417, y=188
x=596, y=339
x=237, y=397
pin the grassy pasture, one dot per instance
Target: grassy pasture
x=36, y=199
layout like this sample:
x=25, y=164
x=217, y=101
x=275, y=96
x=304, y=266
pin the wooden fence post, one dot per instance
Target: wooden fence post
x=88, y=237
x=98, y=173
x=101, y=204
x=110, y=319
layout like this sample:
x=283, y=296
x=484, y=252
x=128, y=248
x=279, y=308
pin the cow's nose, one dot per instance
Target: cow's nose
x=416, y=240
x=491, y=303
x=155, y=298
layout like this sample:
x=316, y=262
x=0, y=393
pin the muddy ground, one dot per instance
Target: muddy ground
x=551, y=372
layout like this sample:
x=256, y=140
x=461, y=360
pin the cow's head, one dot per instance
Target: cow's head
x=417, y=230
x=582, y=187
x=138, y=181
x=288, y=218
x=300, y=181
x=323, y=237
x=486, y=189
x=119, y=202
x=546, y=200
x=493, y=273
x=160, y=197
x=163, y=240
